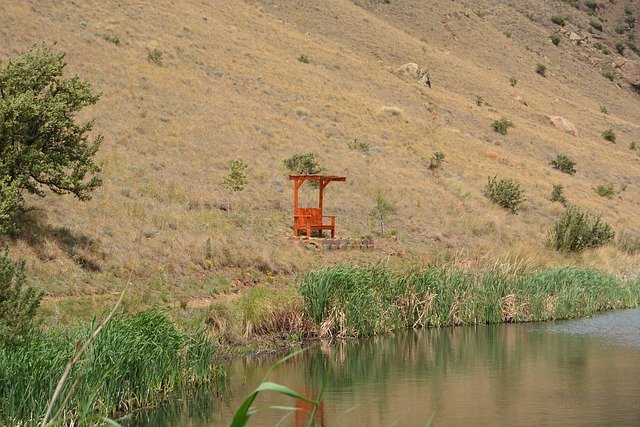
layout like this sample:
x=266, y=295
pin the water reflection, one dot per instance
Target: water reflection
x=565, y=373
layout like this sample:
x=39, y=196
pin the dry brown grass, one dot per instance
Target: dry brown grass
x=231, y=86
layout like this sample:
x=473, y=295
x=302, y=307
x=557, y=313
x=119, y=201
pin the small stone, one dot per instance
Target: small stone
x=150, y=232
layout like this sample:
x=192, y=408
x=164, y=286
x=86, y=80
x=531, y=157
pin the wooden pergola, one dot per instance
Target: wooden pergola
x=311, y=219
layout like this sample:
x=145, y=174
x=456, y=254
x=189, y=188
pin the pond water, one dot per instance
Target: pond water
x=577, y=372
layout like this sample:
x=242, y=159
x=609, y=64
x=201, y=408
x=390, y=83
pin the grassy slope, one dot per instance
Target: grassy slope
x=231, y=87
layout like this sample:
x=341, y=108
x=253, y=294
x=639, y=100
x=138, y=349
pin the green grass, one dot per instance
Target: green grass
x=362, y=301
x=134, y=362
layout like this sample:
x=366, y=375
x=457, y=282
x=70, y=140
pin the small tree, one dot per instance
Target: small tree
x=41, y=145
x=18, y=302
x=304, y=164
x=237, y=178
x=502, y=126
x=557, y=194
x=381, y=212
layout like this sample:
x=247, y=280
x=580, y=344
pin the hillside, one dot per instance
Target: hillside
x=261, y=81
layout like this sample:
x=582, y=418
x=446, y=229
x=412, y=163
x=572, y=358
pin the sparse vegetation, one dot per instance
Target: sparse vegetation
x=620, y=48
x=605, y=190
x=237, y=178
x=541, y=69
x=502, y=126
x=504, y=192
x=155, y=56
x=632, y=145
x=555, y=39
x=479, y=100
x=513, y=81
x=304, y=58
x=602, y=48
x=358, y=145
x=559, y=20
x=609, y=74
x=591, y=5
x=564, y=164
x=609, y=135
x=577, y=230
x=436, y=160
x=112, y=38
x=557, y=194
x=620, y=29
x=41, y=144
x=604, y=109
x=596, y=24
x=629, y=242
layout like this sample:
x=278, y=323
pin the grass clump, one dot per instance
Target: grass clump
x=134, y=362
x=629, y=243
x=605, y=190
x=265, y=311
x=513, y=81
x=609, y=135
x=357, y=145
x=155, y=56
x=504, y=192
x=557, y=194
x=559, y=20
x=604, y=110
x=362, y=301
x=608, y=74
x=620, y=48
x=112, y=38
x=555, y=39
x=564, y=164
x=591, y=5
x=632, y=145
x=577, y=230
x=436, y=160
x=502, y=126
x=304, y=58
x=541, y=69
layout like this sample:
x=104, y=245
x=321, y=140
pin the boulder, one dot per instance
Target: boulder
x=564, y=125
x=412, y=70
x=629, y=71
x=575, y=38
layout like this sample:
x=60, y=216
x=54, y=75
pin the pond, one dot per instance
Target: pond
x=577, y=372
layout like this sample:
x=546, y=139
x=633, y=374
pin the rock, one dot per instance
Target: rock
x=412, y=69
x=564, y=125
x=575, y=38
x=629, y=71
x=150, y=232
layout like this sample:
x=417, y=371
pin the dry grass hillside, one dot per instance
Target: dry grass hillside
x=263, y=80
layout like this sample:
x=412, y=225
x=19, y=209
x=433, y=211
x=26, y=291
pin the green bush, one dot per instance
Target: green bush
x=596, y=24
x=620, y=48
x=555, y=39
x=557, y=194
x=303, y=164
x=620, y=29
x=513, y=81
x=541, y=69
x=237, y=178
x=608, y=74
x=576, y=230
x=591, y=5
x=304, y=58
x=605, y=190
x=18, y=302
x=155, y=56
x=604, y=109
x=564, y=164
x=559, y=20
x=609, y=135
x=502, y=126
x=504, y=192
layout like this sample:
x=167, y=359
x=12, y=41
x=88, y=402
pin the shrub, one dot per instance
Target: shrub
x=609, y=135
x=479, y=100
x=504, y=192
x=155, y=56
x=555, y=39
x=576, y=230
x=632, y=145
x=574, y=3
x=564, y=164
x=609, y=74
x=634, y=47
x=620, y=48
x=304, y=58
x=630, y=19
x=513, y=81
x=604, y=109
x=541, y=69
x=602, y=48
x=591, y=5
x=18, y=302
x=436, y=160
x=605, y=190
x=41, y=144
x=557, y=194
x=237, y=178
x=559, y=20
x=112, y=38
x=620, y=29
x=304, y=164
x=502, y=126
x=596, y=24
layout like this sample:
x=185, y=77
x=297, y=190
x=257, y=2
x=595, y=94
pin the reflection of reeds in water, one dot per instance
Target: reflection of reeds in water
x=134, y=362
x=358, y=301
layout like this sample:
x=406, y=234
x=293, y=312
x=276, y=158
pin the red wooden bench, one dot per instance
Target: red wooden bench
x=308, y=220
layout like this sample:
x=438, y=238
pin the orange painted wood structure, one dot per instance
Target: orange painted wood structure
x=312, y=219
